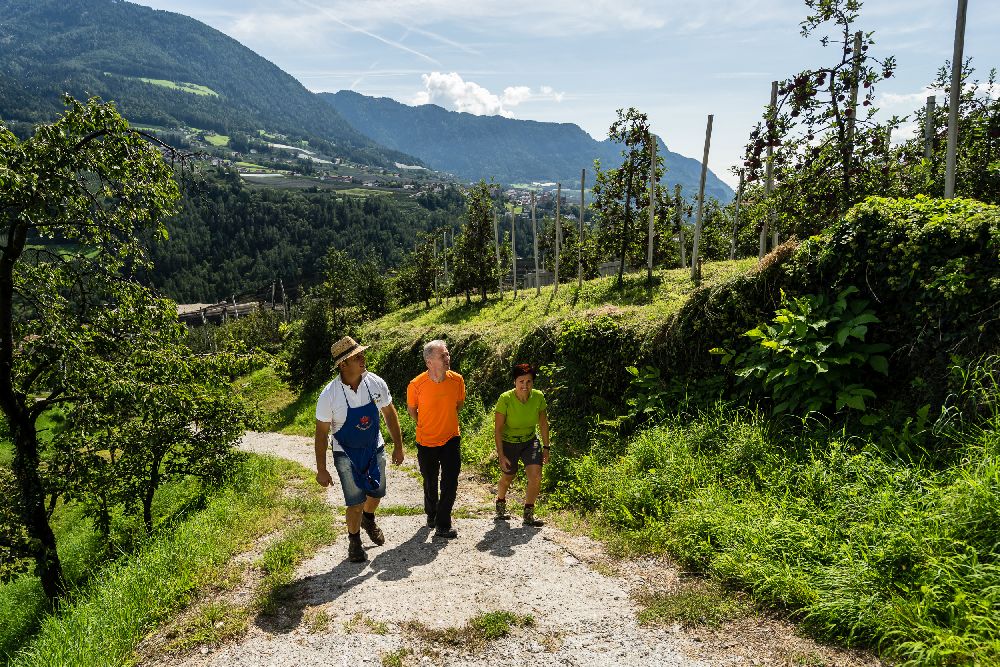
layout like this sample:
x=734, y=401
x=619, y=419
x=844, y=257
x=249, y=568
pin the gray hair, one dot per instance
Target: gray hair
x=430, y=346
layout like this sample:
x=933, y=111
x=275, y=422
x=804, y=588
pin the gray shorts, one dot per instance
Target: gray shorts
x=529, y=452
x=353, y=494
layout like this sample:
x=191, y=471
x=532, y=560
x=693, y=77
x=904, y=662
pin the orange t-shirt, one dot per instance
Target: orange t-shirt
x=437, y=407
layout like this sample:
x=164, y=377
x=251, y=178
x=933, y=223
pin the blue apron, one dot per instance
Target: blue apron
x=359, y=439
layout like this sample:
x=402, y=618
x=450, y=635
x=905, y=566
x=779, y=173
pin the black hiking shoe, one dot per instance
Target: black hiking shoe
x=431, y=520
x=529, y=517
x=375, y=533
x=501, y=511
x=355, y=552
x=450, y=533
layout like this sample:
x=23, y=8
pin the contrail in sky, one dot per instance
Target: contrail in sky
x=389, y=42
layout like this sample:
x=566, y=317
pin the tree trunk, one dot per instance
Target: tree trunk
x=31, y=508
x=626, y=225
x=150, y=491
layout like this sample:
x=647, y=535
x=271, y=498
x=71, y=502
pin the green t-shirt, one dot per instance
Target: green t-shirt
x=521, y=418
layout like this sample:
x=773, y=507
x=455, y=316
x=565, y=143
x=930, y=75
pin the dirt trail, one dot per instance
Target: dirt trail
x=581, y=601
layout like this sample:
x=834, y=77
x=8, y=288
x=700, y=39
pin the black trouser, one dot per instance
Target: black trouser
x=445, y=461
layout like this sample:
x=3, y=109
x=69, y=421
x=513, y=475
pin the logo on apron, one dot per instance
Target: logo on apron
x=364, y=423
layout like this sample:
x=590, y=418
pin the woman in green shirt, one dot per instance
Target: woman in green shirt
x=519, y=413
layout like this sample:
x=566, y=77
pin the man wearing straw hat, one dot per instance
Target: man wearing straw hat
x=347, y=422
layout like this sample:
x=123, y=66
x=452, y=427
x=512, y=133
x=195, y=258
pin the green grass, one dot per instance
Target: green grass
x=504, y=322
x=103, y=622
x=184, y=86
x=395, y=658
x=475, y=633
x=707, y=604
x=866, y=551
x=217, y=139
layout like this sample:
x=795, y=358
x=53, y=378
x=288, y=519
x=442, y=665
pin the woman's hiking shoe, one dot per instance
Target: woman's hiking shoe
x=374, y=532
x=450, y=533
x=501, y=510
x=355, y=552
x=529, y=517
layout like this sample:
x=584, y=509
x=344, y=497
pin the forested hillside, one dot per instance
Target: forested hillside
x=513, y=151
x=106, y=48
x=230, y=237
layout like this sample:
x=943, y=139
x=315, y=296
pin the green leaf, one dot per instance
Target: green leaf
x=879, y=363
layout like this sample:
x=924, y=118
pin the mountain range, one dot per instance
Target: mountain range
x=170, y=71
x=512, y=151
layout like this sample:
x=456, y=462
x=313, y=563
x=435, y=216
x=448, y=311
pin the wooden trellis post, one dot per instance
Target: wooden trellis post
x=929, y=127
x=695, y=268
x=513, y=250
x=496, y=245
x=956, y=90
x=534, y=239
x=652, y=209
x=736, y=215
x=579, y=239
x=555, y=287
x=769, y=177
x=680, y=225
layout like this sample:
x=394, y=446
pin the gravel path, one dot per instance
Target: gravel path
x=580, y=600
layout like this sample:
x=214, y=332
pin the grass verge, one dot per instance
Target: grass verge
x=865, y=550
x=104, y=622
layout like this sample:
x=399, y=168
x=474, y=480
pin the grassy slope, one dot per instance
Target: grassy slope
x=504, y=322
x=105, y=620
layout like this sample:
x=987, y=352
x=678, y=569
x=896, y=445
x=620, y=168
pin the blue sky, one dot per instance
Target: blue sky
x=578, y=61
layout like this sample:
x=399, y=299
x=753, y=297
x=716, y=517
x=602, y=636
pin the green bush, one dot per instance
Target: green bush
x=813, y=356
x=931, y=266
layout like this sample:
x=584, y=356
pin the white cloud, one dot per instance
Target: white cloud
x=451, y=91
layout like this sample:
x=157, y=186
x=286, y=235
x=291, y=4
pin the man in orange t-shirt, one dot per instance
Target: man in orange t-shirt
x=433, y=400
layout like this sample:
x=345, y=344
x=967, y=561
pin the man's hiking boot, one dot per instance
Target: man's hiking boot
x=529, y=517
x=449, y=533
x=501, y=510
x=355, y=552
x=374, y=532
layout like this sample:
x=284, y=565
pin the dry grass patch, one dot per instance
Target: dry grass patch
x=361, y=623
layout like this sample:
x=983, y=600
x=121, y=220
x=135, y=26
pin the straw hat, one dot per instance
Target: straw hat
x=344, y=348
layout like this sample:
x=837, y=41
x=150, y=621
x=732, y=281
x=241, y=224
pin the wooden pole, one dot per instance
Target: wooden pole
x=579, y=239
x=852, y=116
x=534, y=239
x=513, y=250
x=695, y=267
x=558, y=236
x=680, y=225
x=444, y=255
x=652, y=208
x=929, y=127
x=736, y=216
x=496, y=245
x=956, y=92
x=437, y=289
x=768, y=174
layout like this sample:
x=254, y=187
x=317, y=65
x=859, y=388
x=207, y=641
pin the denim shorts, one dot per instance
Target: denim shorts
x=353, y=494
x=530, y=452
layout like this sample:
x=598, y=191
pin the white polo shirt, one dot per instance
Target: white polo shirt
x=336, y=397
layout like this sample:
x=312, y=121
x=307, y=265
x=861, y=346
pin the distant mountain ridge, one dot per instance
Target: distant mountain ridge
x=513, y=151
x=105, y=48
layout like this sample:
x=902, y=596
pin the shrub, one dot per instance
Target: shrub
x=813, y=356
x=931, y=267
